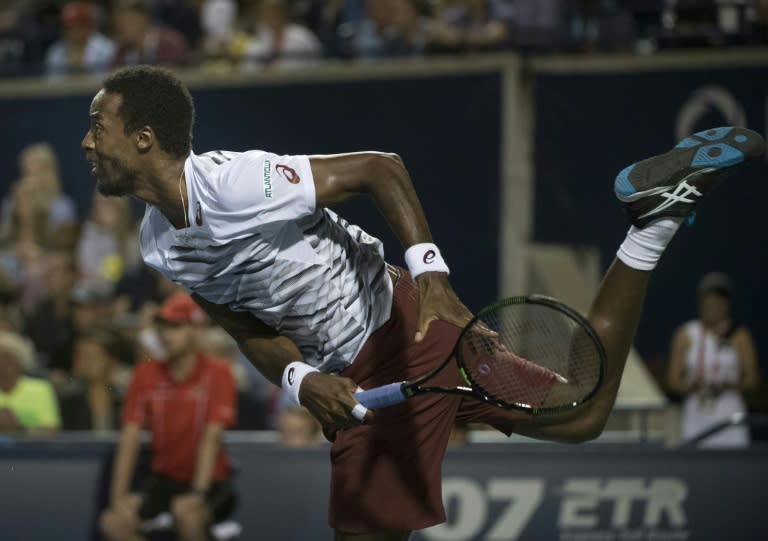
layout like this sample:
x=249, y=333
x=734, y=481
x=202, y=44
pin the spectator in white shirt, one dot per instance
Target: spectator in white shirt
x=83, y=49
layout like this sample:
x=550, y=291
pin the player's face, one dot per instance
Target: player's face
x=108, y=148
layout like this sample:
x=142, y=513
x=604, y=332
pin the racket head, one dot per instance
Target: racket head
x=532, y=354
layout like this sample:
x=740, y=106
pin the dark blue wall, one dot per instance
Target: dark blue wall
x=591, y=126
x=447, y=129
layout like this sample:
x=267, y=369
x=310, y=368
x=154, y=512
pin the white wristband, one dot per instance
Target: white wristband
x=424, y=257
x=293, y=375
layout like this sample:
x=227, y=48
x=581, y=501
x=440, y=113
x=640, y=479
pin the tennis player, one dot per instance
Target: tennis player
x=315, y=307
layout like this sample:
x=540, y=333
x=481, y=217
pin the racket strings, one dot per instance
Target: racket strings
x=531, y=355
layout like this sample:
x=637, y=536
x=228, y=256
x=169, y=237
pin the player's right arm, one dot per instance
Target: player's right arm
x=328, y=397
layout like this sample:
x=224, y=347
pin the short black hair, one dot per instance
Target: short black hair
x=154, y=97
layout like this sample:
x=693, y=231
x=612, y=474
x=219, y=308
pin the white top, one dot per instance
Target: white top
x=98, y=54
x=716, y=361
x=257, y=243
x=709, y=357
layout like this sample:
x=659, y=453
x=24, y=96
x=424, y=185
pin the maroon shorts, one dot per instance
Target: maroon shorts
x=387, y=475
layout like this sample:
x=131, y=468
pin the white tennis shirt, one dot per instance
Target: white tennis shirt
x=256, y=242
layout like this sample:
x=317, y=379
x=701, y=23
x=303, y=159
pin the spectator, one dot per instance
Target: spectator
x=20, y=50
x=392, y=28
x=298, y=428
x=94, y=403
x=277, y=40
x=108, y=243
x=712, y=362
x=49, y=324
x=760, y=28
x=469, y=25
x=91, y=307
x=186, y=402
x=11, y=316
x=22, y=239
x=83, y=49
x=56, y=224
x=27, y=404
x=139, y=287
x=255, y=394
x=218, y=19
x=140, y=41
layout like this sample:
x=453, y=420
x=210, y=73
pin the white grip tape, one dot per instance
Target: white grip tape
x=359, y=411
x=293, y=375
x=424, y=257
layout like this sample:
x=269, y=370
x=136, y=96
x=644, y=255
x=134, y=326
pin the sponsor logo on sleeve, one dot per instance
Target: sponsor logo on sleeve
x=198, y=214
x=288, y=173
x=291, y=376
x=267, y=179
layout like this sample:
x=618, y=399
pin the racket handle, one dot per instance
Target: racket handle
x=381, y=397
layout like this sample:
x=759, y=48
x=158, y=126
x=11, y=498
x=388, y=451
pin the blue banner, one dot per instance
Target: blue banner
x=492, y=492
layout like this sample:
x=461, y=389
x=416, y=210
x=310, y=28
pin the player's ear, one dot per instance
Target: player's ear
x=145, y=139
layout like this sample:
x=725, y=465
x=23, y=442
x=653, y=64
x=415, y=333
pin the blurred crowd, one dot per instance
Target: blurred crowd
x=58, y=37
x=78, y=309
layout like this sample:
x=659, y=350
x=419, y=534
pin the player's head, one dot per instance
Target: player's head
x=179, y=319
x=141, y=112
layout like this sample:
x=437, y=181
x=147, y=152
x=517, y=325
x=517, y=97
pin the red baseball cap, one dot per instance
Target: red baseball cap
x=180, y=308
x=74, y=13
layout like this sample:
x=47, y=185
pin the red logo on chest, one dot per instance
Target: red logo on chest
x=288, y=173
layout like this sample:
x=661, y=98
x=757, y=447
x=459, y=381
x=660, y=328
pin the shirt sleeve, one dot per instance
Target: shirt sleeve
x=258, y=187
x=222, y=401
x=134, y=410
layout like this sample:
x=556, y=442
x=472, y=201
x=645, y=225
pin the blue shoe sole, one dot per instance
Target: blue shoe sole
x=715, y=149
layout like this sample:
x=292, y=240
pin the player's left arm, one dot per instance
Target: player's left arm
x=384, y=178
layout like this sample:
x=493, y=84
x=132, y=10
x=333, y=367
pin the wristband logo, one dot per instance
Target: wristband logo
x=291, y=375
x=429, y=257
x=288, y=173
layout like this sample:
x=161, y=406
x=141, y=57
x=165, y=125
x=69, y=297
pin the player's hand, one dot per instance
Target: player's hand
x=330, y=400
x=437, y=300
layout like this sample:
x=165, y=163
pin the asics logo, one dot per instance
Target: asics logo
x=288, y=173
x=681, y=194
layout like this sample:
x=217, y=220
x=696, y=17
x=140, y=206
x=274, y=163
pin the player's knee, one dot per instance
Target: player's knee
x=590, y=428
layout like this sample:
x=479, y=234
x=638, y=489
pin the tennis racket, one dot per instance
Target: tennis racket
x=528, y=353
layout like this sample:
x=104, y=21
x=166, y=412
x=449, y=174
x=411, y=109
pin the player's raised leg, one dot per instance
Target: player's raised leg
x=658, y=194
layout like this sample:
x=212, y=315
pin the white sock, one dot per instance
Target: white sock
x=642, y=248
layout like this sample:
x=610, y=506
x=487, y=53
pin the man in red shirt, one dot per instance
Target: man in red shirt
x=186, y=403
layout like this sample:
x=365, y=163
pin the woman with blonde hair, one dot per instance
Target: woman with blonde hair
x=39, y=168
